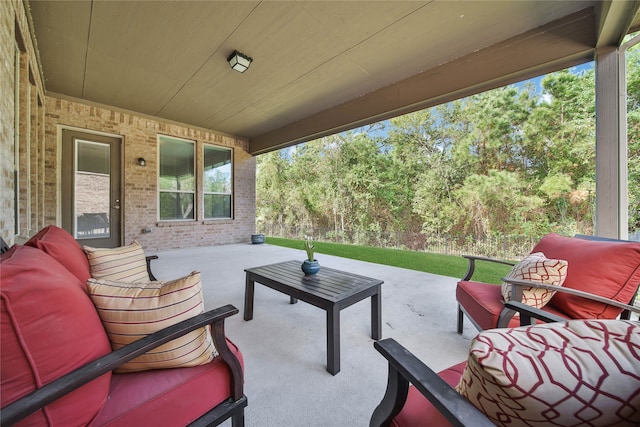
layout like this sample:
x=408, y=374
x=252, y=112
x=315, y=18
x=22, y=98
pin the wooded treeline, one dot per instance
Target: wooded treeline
x=511, y=161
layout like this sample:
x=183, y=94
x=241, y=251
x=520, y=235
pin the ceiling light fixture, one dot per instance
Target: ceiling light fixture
x=239, y=61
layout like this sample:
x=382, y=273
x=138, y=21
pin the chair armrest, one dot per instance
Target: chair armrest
x=472, y=264
x=405, y=368
x=528, y=312
x=517, y=284
x=47, y=394
x=149, y=259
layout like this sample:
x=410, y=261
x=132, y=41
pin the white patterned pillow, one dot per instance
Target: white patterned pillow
x=537, y=268
x=130, y=311
x=123, y=264
x=581, y=372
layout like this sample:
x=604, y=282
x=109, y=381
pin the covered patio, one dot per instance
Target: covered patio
x=284, y=346
x=133, y=71
x=137, y=70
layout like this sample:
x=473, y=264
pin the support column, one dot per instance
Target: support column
x=611, y=145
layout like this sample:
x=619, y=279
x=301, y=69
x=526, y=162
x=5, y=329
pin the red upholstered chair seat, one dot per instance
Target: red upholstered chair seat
x=419, y=412
x=483, y=302
x=140, y=398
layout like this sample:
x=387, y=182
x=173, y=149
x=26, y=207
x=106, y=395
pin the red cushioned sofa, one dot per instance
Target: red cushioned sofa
x=56, y=362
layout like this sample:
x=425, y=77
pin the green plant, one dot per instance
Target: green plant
x=308, y=246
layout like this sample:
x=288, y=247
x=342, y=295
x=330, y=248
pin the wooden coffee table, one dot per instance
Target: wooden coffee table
x=329, y=289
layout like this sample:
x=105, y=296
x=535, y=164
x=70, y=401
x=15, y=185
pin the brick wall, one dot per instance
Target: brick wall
x=28, y=159
x=6, y=120
x=140, y=197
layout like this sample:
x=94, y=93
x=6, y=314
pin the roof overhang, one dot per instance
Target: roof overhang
x=318, y=67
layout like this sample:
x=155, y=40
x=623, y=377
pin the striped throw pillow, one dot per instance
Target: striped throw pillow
x=130, y=311
x=123, y=264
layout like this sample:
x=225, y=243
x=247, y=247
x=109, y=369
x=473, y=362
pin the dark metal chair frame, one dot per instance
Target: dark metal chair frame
x=405, y=369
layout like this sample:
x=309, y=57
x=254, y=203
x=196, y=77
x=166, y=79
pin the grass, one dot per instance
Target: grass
x=445, y=265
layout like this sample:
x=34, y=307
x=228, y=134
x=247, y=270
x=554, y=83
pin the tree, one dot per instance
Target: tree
x=633, y=135
x=497, y=203
x=512, y=161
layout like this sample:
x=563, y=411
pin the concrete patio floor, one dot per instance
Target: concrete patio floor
x=284, y=346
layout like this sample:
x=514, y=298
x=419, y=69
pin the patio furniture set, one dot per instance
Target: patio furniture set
x=110, y=345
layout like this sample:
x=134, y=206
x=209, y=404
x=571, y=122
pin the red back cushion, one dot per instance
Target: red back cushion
x=608, y=269
x=49, y=327
x=63, y=248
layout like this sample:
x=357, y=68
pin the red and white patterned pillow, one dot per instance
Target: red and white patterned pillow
x=581, y=372
x=537, y=268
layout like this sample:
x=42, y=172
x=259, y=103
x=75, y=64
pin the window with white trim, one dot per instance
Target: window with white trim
x=176, y=179
x=217, y=182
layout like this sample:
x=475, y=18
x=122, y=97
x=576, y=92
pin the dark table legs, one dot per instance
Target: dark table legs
x=249, y=289
x=333, y=331
x=376, y=315
x=333, y=322
x=333, y=339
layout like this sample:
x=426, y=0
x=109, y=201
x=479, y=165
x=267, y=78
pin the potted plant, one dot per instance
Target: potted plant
x=257, y=239
x=310, y=266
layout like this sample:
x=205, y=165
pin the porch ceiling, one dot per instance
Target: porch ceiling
x=318, y=67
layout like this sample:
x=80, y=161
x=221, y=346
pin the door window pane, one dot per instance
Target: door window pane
x=92, y=190
x=176, y=179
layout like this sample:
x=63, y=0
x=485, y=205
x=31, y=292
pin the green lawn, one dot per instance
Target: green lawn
x=446, y=265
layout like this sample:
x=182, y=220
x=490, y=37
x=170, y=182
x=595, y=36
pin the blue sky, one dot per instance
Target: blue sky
x=576, y=70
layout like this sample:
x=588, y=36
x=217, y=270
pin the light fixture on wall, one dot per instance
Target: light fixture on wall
x=239, y=61
x=142, y=161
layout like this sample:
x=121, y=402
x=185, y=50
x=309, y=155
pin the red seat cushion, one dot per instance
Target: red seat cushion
x=608, y=269
x=418, y=411
x=49, y=327
x=63, y=248
x=483, y=303
x=140, y=398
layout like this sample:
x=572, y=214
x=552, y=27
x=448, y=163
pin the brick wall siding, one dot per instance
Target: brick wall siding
x=14, y=33
x=6, y=120
x=140, y=197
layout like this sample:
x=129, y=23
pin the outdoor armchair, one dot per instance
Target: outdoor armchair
x=521, y=376
x=584, y=278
